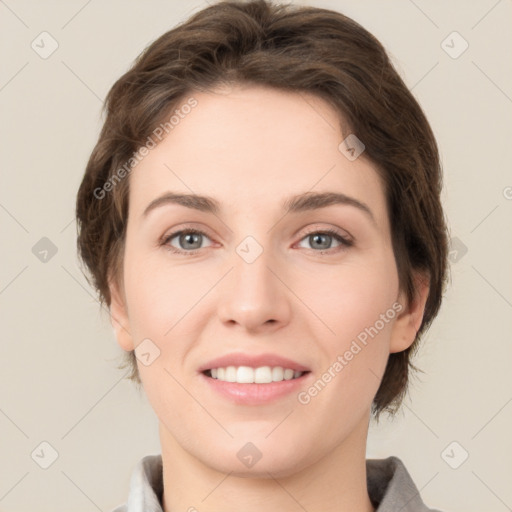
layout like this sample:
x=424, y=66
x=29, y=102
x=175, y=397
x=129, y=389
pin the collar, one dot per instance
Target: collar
x=390, y=487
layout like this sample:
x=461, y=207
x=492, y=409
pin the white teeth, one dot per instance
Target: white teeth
x=263, y=375
x=244, y=374
x=277, y=374
x=230, y=374
x=248, y=375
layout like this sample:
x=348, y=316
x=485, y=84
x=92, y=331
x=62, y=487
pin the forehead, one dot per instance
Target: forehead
x=250, y=147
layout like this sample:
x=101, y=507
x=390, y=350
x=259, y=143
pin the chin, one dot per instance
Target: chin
x=246, y=460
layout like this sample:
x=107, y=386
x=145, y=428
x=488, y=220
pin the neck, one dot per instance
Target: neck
x=334, y=483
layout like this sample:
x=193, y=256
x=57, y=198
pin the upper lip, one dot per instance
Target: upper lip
x=254, y=361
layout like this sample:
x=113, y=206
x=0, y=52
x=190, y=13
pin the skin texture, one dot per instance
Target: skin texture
x=250, y=147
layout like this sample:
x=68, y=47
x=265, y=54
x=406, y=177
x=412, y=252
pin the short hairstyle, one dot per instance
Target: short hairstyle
x=291, y=48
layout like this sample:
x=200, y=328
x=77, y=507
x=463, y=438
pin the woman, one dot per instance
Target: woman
x=262, y=217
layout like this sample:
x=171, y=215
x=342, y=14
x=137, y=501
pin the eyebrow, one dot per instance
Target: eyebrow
x=295, y=204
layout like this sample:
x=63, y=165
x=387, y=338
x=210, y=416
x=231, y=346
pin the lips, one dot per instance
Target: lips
x=254, y=361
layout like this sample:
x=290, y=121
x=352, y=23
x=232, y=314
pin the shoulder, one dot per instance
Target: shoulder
x=391, y=487
x=146, y=487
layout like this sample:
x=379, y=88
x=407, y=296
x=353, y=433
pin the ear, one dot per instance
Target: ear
x=119, y=316
x=409, y=320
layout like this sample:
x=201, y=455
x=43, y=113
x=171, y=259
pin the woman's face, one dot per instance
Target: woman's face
x=259, y=280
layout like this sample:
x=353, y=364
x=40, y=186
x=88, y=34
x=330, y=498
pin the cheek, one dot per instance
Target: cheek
x=352, y=297
x=354, y=358
x=355, y=305
x=160, y=294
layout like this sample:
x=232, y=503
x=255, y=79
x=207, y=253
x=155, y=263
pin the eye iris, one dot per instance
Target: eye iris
x=319, y=235
x=184, y=239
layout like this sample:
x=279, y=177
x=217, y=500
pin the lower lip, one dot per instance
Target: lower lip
x=256, y=394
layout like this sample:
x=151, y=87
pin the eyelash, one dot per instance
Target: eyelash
x=345, y=242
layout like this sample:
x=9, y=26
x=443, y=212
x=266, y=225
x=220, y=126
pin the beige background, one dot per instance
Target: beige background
x=58, y=379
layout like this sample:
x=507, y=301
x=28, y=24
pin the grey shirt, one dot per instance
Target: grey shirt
x=390, y=487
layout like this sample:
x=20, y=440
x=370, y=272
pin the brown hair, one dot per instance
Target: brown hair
x=291, y=48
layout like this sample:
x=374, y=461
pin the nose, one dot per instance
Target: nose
x=255, y=295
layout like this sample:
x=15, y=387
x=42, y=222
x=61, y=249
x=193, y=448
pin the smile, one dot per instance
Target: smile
x=249, y=375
